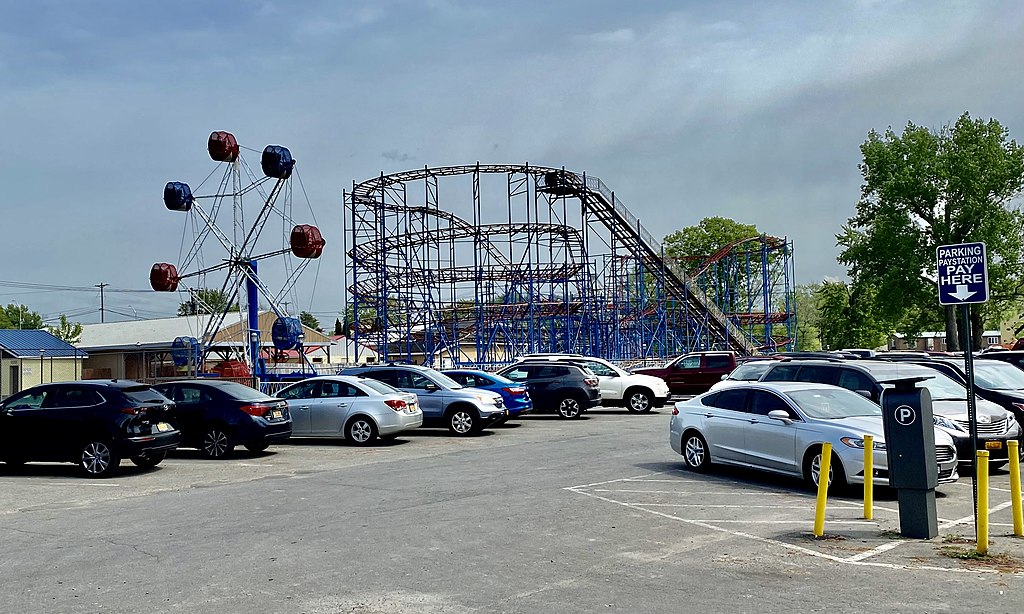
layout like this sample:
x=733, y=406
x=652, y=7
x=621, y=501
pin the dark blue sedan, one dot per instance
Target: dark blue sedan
x=516, y=399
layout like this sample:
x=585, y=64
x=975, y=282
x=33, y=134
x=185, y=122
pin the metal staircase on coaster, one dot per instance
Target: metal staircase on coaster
x=626, y=228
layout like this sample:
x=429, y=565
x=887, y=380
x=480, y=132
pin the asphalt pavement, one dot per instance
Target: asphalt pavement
x=541, y=516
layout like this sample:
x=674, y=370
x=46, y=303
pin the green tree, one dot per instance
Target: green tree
x=207, y=300
x=337, y=327
x=70, y=332
x=808, y=337
x=695, y=244
x=848, y=316
x=21, y=317
x=308, y=320
x=927, y=188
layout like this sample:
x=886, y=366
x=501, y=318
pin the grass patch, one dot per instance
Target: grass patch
x=1000, y=562
x=956, y=538
x=890, y=534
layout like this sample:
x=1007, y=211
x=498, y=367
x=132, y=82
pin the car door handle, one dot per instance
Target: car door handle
x=709, y=415
x=342, y=404
x=302, y=407
x=755, y=421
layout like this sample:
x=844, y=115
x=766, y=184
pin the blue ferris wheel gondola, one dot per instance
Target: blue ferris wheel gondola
x=185, y=351
x=287, y=333
x=178, y=196
x=277, y=162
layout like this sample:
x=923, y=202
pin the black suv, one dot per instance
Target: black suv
x=949, y=398
x=563, y=387
x=215, y=416
x=93, y=424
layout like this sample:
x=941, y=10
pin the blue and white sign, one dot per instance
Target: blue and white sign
x=963, y=273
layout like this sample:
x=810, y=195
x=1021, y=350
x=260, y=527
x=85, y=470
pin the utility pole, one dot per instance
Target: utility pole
x=101, y=286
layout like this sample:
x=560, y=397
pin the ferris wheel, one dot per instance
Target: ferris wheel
x=231, y=264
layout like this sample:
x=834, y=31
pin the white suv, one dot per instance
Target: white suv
x=619, y=388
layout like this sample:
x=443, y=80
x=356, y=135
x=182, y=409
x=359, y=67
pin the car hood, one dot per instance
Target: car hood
x=649, y=371
x=650, y=380
x=957, y=410
x=859, y=426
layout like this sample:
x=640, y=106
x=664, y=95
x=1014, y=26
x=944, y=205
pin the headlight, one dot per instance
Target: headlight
x=857, y=442
x=946, y=423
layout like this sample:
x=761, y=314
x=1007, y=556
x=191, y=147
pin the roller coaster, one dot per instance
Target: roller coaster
x=523, y=259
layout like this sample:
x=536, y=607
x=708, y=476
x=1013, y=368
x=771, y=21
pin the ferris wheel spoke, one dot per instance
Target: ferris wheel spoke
x=212, y=227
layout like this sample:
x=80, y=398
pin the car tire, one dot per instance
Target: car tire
x=256, y=448
x=837, y=480
x=696, y=455
x=360, y=431
x=217, y=442
x=148, y=460
x=463, y=421
x=98, y=459
x=639, y=401
x=570, y=408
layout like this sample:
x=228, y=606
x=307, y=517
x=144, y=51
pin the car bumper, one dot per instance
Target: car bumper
x=400, y=421
x=262, y=432
x=996, y=447
x=853, y=462
x=160, y=442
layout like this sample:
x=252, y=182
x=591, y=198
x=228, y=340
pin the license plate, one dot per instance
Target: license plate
x=163, y=427
x=412, y=408
x=276, y=414
x=993, y=445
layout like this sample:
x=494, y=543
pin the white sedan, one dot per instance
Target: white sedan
x=358, y=409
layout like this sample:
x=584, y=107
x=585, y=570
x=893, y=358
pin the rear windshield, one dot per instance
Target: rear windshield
x=377, y=386
x=443, y=379
x=242, y=392
x=143, y=395
x=998, y=375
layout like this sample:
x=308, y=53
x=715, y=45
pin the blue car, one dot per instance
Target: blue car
x=517, y=400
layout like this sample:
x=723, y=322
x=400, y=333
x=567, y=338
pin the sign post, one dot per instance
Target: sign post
x=963, y=280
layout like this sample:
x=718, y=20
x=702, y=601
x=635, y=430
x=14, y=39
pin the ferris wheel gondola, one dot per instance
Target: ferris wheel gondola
x=242, y=284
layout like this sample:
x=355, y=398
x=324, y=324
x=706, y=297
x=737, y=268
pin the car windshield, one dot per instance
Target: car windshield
x=443, y=379
x=940, y=386
x=501, y=379
x=145, y=395
x=751, y=371
x=998, y=375
x=242, y=392
x=833, y=403
x=378, y=386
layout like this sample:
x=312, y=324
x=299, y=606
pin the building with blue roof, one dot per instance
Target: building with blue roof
x=30, y=357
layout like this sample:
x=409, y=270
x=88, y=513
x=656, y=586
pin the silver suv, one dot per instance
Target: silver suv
x=465, y=411
x=619, y=388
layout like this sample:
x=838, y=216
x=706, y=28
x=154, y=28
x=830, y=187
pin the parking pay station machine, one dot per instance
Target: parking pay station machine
x=910, y=447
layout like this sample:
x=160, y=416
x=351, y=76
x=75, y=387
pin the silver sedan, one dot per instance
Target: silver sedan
x=356, y=408
x=781, y=426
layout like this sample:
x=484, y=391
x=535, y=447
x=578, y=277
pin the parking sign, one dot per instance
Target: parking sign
x=963, y=273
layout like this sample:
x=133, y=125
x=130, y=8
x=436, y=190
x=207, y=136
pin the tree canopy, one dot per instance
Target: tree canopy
x=926, y=188
x=308, y=320
x=207, y=300
x=694, y=244
x=71, y=332
x=20, y=316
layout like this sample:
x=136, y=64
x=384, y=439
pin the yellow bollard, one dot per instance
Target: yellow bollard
x=869, y=476
x=981, y=475
x=1018, y=517
x=819, y=509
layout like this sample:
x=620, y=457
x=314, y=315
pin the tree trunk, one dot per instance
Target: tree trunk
x=977, y=328
x=952, y=335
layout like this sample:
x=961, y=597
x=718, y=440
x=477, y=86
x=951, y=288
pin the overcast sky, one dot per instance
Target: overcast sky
x=749, y=110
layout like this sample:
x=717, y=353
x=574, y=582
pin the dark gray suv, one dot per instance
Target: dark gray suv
x=465, y=411
x=564, y=387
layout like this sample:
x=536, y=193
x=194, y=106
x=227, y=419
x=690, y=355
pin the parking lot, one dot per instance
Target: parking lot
x=545, y=515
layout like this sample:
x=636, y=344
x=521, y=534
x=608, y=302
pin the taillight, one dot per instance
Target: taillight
x=396, y=404
x=255, y=410
x=675, y=411
x=590, y=381
x=514, y=390
x=133, y=411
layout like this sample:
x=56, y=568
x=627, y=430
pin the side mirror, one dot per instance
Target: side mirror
x=724, y=377
x=431, y=387
x=864, y=393
x=781, y=415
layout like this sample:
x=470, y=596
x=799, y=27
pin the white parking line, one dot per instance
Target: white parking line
x=822, y=555
x=967, y=519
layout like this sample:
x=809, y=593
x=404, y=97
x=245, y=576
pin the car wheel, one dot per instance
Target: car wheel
x=147, y=460
x=97, y=459
x=639, y=401
x=463, y=422
x=256, y=448
x=836, y=473
x=217, y=442
x=570, y=407
x=361, y=431
x=695, y=452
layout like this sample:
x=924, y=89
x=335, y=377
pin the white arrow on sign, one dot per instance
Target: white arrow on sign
x=962, y=293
